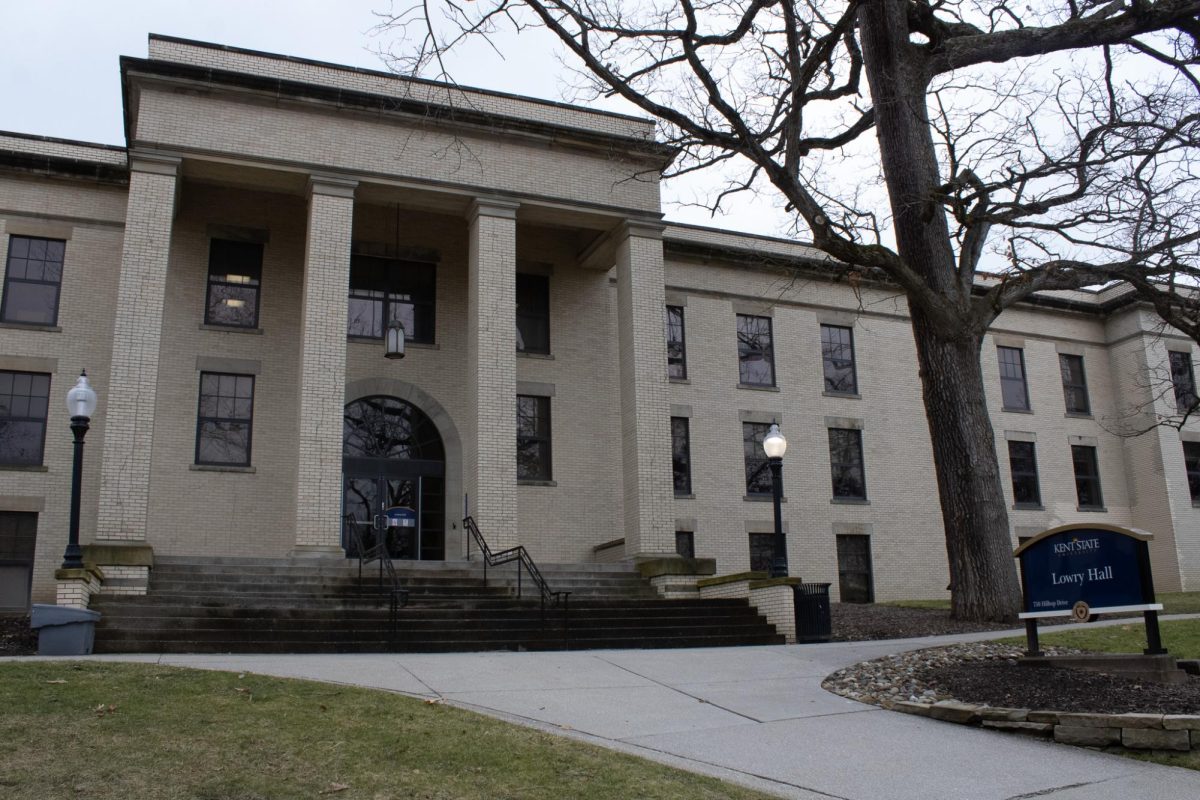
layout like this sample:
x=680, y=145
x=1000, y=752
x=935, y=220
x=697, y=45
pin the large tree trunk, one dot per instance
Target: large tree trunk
x=947, y=327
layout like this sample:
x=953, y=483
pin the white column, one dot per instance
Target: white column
x=645, y=409
x=128, y=406
x=323, y=365
x=491, y=441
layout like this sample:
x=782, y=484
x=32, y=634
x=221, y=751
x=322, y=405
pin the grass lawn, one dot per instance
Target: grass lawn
x=1180, y=637
x=1173, y=603
x=92, y=731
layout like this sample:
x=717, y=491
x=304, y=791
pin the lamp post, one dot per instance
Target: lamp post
x=393, y=340
x=774, y=445
x=81, y=404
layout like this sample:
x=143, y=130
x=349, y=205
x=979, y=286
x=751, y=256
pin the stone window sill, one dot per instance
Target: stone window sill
x=762, y=498
x=24, y=468
x=686, y=381
x=527, y=482
x=1028, y=507
x=688, y=496
x=843, y=395
x=849, y=501
x=758, y=387
x=30, y=326
x=221, y=468
x=1017, y=410
x=205, y=326
x=539, y=356
x=1092, y=509
x=1078, y=415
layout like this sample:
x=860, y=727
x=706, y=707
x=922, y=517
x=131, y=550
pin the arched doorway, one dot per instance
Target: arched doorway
x=392, y=457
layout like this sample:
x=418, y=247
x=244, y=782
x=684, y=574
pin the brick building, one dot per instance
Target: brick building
x=582, y=377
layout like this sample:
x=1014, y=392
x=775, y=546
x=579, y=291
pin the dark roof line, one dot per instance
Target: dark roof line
x=33, y=137
x=64, y=166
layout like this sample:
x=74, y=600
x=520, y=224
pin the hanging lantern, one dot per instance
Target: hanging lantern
x=393, y=340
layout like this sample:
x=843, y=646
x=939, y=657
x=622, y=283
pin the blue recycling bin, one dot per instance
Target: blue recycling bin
x=64, y=631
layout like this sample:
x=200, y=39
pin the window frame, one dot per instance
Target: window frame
x=681, y=361
x=9, y=280
x=1081, y=387
x=540, y=314
x=213, y=244
x=690, y=537
x=41, y=450
x=828, y=362
x=745, y=349
x=755, y=464
x=1008, y=380
x=247, y=421
x=12, y=559
x=1185, y=395
x=1093, y=462
x=758, y=536
x=1024, y=474
x=684, y=424
x=1191, y=466
x=396, y=267
x=834, y=465
x=543, y=436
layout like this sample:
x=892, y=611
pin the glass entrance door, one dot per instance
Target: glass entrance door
x=370, y=498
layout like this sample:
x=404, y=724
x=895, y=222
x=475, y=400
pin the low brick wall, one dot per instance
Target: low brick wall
x=774, y=598
x=1135, y=731
x=75, y=587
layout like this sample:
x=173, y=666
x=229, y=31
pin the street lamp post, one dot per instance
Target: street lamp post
x=81, y=404
x=774, y=445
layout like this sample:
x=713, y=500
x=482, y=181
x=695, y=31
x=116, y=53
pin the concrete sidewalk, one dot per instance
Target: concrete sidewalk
x=754, y=715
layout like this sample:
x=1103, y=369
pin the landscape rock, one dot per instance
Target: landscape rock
x=1085, y=736
x=1032, y=728
x=951, y=711
x=1142, y=739
x=1144, y=721
x=1181, y=722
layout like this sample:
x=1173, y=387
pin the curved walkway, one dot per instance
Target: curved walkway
x=754, y=715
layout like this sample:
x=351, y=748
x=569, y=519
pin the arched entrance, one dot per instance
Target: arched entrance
x=392, y=456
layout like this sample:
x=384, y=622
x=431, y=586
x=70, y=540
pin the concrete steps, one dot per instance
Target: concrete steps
x=280, y=605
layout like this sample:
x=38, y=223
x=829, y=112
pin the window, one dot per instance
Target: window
x=1022, y=462
x=1184, y=380
x=18, y=534
x=855, y=582
x=758, y=476
x=676, y=350
x=681, y=455
x=685, y=544
x=533, y=438
x=533, y=314
x=1074, y=384
x=846, y=464
x=837, y=357
x=756, y=356
x=762, y=551
x=225, y=419
x=24, y=398
x=32, y=280
x=1012, y=378
x=234, y=276
x=1191, y=461
x=1087, y=477
x=382, y=290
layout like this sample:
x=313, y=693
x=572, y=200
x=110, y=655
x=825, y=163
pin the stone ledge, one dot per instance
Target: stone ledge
x=89, y=572
x=769, y=582
x=658, y=567
x=119, y=555
x=734, y=578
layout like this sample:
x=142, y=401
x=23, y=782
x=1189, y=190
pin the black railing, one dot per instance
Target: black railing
x=375, y=548
x=520, y=555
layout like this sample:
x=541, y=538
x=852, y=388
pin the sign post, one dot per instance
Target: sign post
x=1084, y=569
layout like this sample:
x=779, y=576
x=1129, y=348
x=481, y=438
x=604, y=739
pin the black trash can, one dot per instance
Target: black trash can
x=64, y=631
x=813, y=622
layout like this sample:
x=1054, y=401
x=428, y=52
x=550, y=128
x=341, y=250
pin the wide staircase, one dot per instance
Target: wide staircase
x=227, y=605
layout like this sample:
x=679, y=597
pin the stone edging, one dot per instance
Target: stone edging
x=1135, y=731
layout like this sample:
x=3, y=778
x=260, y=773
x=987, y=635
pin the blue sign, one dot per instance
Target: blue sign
x=1103, y=566
x=401, y=517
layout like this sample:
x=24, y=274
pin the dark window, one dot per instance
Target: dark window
x=758, y=476
x=1012, y=378
x=18, y=536
x=685, y=544
x=533, y=438
x=681, y=455
x=382, y=290
x=756, y=355
x=533, y=314
x=1184, y=380
x=855, y=582
x=846, y=463
x=762, y=551
x=1191, y=461
x=1087, y=476
x=837, y=357
x=24, y=398
x=234, y=276
x=1074, y=384
x=32, y=280
x=1022, y=461
x=676, y=349
x=225, y=419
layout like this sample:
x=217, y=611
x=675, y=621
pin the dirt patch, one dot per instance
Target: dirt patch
x=16, y=637
x=853, y=622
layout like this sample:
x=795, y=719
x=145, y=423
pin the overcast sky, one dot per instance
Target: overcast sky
x=59, y=61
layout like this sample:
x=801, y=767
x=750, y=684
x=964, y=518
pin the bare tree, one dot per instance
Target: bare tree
x=1049, y=142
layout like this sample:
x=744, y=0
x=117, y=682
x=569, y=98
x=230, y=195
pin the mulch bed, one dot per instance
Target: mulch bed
x=16, y=637
x=854, y=622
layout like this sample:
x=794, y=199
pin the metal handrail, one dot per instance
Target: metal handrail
x=397, y=594
x=523, y=559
